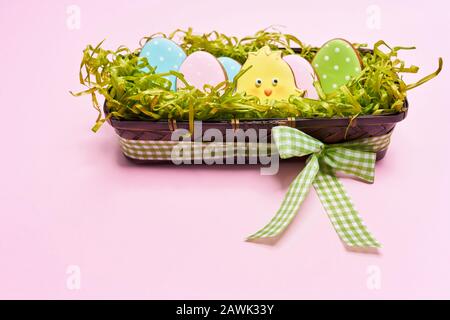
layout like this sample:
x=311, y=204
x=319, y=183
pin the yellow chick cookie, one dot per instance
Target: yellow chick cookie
x=269, y=77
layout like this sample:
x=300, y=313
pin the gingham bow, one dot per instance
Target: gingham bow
x=356, y=158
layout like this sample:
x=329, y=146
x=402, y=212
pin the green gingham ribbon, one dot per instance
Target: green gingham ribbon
x=355, y=158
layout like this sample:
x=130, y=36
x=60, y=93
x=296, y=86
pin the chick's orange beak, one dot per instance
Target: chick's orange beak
x=267, y=92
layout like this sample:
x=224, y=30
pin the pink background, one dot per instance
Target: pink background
x=68, y=197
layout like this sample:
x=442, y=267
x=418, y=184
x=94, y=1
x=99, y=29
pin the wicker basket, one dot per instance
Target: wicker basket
x=327, y=130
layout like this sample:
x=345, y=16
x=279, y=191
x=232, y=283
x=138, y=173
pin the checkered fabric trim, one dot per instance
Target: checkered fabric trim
x=339, y=207
x=356, y=158
x=294, y=197
x=186, y=151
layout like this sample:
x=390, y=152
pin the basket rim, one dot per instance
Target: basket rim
x=301, y=122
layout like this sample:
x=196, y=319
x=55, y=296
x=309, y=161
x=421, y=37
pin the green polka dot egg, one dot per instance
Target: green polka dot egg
x=335, y=64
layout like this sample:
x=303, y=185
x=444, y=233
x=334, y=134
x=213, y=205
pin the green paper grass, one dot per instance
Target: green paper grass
x=132, y=94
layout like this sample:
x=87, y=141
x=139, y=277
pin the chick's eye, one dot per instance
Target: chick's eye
x=274, y=81
x=258, y=82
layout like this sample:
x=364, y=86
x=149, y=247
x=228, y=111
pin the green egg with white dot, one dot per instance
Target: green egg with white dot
x=335, y=64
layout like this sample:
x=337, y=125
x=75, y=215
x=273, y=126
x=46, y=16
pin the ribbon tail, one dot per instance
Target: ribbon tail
x=296, y=194
x=344, y=217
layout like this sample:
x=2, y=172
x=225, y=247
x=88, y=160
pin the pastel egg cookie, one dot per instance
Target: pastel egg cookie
x=304, y=75
x=164, y=55
x=201, y=68
x=336, y=63
x=269, y=77
x=231, y=66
